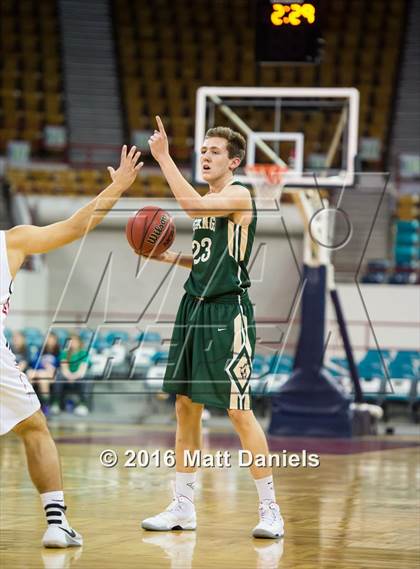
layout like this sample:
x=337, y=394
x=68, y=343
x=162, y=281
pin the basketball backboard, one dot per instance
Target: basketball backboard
x=312, y=131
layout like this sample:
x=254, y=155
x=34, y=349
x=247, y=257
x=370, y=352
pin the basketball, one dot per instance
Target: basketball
x=151, y=231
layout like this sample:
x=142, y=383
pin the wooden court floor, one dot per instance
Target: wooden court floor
x=358, y=510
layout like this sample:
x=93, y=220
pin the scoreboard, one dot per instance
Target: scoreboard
x=288, y=31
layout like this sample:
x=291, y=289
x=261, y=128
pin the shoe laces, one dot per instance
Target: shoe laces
x=268, y=512
x=176, y=504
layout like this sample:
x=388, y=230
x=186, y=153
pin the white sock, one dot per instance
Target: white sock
x=55, y=508
x=185, y=483
x=265, y=489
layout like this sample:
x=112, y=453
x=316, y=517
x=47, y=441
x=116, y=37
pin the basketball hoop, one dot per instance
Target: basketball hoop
x=267, y=181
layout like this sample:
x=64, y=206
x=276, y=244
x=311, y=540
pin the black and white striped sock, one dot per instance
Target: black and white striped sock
x=56, y=514
x=55, y=509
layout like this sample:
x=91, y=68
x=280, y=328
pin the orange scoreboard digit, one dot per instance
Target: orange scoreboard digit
x=292, y=14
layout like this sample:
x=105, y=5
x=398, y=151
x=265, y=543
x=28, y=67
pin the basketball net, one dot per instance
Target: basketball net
x=268, y=183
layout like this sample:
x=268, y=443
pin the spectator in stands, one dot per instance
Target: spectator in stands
x=44, y=369
x=73, y=369
x=21, y=351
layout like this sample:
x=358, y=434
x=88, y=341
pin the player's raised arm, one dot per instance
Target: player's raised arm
x=214, y=204
x=26, y=240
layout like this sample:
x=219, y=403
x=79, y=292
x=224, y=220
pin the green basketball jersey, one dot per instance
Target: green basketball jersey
x=221, y=251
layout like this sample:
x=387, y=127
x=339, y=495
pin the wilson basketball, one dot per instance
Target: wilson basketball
x=151, y=231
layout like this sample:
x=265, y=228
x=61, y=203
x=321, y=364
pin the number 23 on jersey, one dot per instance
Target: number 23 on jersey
x=201, y=250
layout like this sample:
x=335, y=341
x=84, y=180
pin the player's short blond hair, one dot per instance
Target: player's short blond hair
x=235, y=141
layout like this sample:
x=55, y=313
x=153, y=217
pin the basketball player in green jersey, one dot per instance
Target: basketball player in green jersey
x=213, y=341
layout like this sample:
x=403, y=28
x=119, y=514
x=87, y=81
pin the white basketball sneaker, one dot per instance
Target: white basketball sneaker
x=60, y=537
x=271, y=524
x=179, y=515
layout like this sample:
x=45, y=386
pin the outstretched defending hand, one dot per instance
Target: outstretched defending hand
x=128, y=168
x=158, y=142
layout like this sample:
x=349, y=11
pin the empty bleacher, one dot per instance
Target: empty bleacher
x=79, y=182
x=166, y=53
x=31, y=92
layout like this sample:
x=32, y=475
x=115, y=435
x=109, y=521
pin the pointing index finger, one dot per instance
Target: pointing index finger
x=160, y=125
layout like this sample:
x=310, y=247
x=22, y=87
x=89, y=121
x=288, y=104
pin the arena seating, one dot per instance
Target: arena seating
x=140, y=356
x=157, y=80
x=31, y=92
x=407, y=241
x=83, y=182
x=406, y=253
x=213, y=44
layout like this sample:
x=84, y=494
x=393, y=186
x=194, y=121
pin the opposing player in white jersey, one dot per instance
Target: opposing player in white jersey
x=19, y=405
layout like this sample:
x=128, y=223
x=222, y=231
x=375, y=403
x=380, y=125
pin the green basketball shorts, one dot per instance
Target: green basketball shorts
x=211, y=352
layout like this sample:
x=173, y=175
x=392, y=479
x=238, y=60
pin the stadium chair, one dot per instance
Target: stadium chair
x=259, y=366
x=116, y=354
x=403, y=384
x=408, y=226
x=373, y=389
x=160, y=357
x=149, y=337
x=408, y=238
x=34, y=341
x=86, y=335
x=259, y=386
x=114, y=335
x=406, y=253
x=8, y=335
x=62, y=335
x=156, y=372
x=371, y=365
x=375, y=278
x=280, y=363
x=142, y=358
x=341, y=377
x=98, y=364
x=99, y=343
x=32, y=333
x=341, y=363
x=404, y=278
x=372, y=375
x=277, y=369
x=416, y=403
x=275, y=382
x=338, y=368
